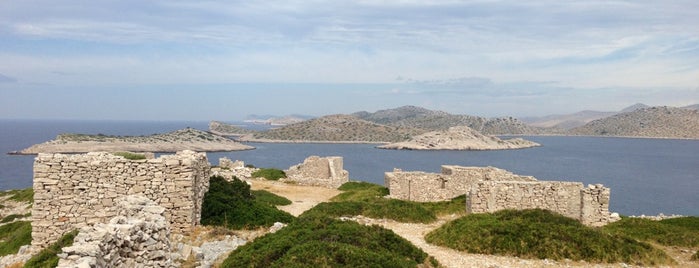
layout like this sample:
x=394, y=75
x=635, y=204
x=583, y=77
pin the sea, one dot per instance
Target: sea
x=646, y=176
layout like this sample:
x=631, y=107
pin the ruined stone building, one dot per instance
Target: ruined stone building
x=491, y=189
x=79, y=190
x=319, y=171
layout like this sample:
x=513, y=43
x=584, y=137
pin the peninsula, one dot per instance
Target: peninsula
x=459, y=138
x=184, y=139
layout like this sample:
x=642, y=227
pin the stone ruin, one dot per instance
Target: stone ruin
x=453, y=181
x=491, y=189
x=319, y=171
x=80, y=190
x=137, y=237
x=226, y=163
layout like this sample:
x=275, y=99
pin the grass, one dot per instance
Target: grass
x=670, y=232
x=130, y=155
x=313, y=241
x=12, y=217
x=368, y=199
x=232, y=204
x=48, y=257
x=13, y=236
x=270, y=198
x=21, y=195
x=269, y=173
x=544, y=235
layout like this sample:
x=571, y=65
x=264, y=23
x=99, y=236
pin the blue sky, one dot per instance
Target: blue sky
x=223, y=60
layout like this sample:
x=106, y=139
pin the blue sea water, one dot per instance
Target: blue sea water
x=647, y=176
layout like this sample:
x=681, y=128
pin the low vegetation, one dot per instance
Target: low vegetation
x=130, y=155
x=683, y=232
x=362, y=198
x=233, y=205
x=270, y=198
x=269, y=173
x=312, y=241
x=695, y=257
x=13, y=236
x=12, y=217
x=48, y=256
x=542, y=234
x=22, y=195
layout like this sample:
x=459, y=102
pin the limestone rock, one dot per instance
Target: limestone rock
x=459, y=138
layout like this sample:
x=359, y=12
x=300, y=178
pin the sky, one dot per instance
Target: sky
x=224, y=60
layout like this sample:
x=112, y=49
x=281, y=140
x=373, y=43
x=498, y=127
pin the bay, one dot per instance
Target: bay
x=646, y=176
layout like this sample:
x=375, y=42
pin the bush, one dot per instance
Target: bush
x=13, y=236
x=269, y=173
x=130, y=155
x=326, y=242
x=542, y=234
x=670, y=232
x=48, y=256
x=232, y=205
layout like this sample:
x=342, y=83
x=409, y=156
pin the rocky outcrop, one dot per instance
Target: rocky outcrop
x=185, y=139
x=335, y=128
x=225, y=129
x=653, y=122
x=319, y=171
x=459, y=138
x=429, y=120
x=137, y=237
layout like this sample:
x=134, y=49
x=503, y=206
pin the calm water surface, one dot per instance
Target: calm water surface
x=647, y=176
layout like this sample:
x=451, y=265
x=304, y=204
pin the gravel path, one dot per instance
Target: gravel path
x=302, y=197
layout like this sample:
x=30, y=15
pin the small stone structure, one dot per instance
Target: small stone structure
x=226, y=163
x=75, y=191
x=137, y=237
x=319, y=171
x=451, y=182
x=491, y=189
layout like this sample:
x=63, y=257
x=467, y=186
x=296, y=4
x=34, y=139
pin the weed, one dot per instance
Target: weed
x=269, y=173
x=48, y=256
x=13, y=236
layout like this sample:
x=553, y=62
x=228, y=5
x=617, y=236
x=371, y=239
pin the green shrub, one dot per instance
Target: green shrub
x=48, y=257
x=326, y=242
x=130, y=155
x=542, y=234
x=670, y=232
x=231, y=204
x=269, y=173
x=13, y=236
x=270, y=198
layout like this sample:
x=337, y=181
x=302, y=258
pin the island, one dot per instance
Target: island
x=459, y=138
x=183, y=139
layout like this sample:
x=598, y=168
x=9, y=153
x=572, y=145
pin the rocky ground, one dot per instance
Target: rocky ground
x=459, y=138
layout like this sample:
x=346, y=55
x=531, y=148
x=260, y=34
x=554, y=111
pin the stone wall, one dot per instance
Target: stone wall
x=588, y=205
x=453, y=181
x=319, y=171
x=137, y=237
x=74, y=191
x=227, y=163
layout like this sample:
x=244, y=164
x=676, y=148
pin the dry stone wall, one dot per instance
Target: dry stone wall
x=491, y=189
x=319, y=171
x=137, y=237
x=75, y=191
x=453, y=181
x=588, y=205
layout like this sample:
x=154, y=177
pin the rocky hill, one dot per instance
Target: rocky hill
x=225, y=129
x=421, y=118
x=655, y=122
x=557, y=123
x=184, y=139
x=459, y=138
x=335, y=128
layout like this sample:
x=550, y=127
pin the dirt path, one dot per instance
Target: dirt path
x=302, y=197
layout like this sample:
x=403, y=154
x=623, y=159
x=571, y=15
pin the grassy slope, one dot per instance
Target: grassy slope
x=542, y=234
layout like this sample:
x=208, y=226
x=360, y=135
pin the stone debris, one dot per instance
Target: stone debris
x=75, y=191
x=137, y=237
x=229, y=169
x=319, y=171
x=209, y=252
